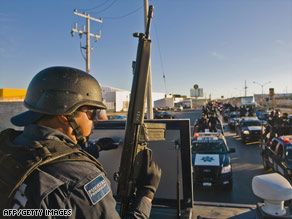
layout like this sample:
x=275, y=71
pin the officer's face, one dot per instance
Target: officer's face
x=84, y=120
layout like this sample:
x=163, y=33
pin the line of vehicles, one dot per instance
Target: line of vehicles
x=248, y=128
x=274, y=134
x=210, y=152
x=211, y=160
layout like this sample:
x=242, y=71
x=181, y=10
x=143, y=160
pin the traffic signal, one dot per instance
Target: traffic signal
x=272, y=92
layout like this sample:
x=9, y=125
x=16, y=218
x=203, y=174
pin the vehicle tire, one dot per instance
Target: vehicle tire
x=265, y=163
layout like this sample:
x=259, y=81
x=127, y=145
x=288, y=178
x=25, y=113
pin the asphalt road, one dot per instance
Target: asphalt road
x=246, y=163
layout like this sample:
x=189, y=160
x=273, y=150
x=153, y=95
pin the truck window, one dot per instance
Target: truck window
x=279, y=151
x=274, y=144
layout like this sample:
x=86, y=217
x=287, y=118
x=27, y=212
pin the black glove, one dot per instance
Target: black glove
x=106, y=144
x=149, y=178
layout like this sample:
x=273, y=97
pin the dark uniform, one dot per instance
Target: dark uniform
x=202, y=124
x=242, y=111
x=251, y=111
x=213, y=120
x=80, y=186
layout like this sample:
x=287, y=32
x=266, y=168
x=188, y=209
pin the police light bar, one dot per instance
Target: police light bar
x=286, y=139
x=196, y=135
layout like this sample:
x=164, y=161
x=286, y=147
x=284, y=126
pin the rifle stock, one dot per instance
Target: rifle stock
x=135, y=122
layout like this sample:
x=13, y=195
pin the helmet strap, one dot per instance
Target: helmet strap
x=76, y=129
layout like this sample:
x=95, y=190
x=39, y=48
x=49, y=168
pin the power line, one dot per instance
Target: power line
x=98, y=6
x=81, y=47
x=125, y=15
x=163, y=75
x=98, y=12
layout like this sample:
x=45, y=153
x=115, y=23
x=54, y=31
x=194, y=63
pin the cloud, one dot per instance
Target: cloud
x=218, y=55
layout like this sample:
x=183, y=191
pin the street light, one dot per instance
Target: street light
x=262, y=85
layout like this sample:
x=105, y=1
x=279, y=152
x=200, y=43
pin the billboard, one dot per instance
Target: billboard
x=197, y=92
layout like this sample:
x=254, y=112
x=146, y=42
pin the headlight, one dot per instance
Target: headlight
x=246, y=132
x=226, y=169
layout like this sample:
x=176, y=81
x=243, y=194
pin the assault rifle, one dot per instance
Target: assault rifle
x=137, y=133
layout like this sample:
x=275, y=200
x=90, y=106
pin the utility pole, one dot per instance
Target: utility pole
x=245, y=88
x=88, y=35
x=149, y=87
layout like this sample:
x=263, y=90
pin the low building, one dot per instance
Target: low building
x=168, y=101
x=9, y=94
x=117, y=100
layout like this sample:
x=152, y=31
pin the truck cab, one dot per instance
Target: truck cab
x=277, y=155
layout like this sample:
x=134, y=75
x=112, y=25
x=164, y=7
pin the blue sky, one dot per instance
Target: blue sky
x=217, y=44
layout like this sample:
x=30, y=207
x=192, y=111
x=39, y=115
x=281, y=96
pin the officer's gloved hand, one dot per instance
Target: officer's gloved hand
x=149, y=179
x=106, y=144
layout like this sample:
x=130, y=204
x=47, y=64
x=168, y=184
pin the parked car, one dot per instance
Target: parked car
x=277, y=154
x=249, y=128
x=163, y=115
x=211, y=160
x=119, y=117
x=178, y=108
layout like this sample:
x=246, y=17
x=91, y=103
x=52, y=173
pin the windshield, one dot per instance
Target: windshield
x=209, y=147
x=251, y=123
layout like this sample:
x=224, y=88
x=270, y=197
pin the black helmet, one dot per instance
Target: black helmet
x=62, y=90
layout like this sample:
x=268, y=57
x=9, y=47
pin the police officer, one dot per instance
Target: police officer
x=286, y=125
x=242, y=111
x=285, y=118
x=205, y=110
x=202, y=123
x=213, y=122
x=277, y=124
x=270, y=117
x=62, y=103
x=251, y=111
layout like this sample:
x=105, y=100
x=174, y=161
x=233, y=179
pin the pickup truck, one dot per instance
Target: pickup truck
x=277, y=154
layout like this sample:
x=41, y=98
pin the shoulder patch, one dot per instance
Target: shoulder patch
x=97, y=189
